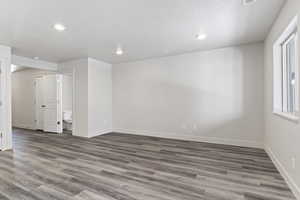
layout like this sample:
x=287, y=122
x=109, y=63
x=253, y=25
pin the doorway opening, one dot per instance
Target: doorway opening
x=42, y=100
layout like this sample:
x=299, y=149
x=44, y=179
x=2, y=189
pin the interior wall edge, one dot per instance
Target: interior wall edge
x=5, y=59
x=98, y=133
x=287, y=177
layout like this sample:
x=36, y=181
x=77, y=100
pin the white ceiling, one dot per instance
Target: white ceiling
x=144, y=28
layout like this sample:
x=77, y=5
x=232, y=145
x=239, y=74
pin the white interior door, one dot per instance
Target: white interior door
x=52, y=90
x=39, y=104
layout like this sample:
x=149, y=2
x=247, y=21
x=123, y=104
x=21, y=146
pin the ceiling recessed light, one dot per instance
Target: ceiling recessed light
x=59, y=27
x=201, y=36
x=36, y=58
x=248, y=2
x=119, y=51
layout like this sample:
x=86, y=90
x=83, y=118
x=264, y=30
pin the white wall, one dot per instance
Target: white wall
x=214, y=96
x=79, y=69
x=92, y=104
x=5, y=109
x=23, y=97
x=282, y=136
x=100, y=97
x=67, y=92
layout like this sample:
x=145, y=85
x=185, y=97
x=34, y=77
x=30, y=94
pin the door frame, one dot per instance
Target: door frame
x=37, y=114
x=7, y=60
x=72, y=75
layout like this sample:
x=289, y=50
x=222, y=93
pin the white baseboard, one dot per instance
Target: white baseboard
x=291, y=183
x=23, y=126
x=235, y=142
x=97, y=133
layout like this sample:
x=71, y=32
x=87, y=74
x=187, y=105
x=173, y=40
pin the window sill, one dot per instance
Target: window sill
x=287, y=116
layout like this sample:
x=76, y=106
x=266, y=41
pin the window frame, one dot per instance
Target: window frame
x=280, y=69
x=285, y=73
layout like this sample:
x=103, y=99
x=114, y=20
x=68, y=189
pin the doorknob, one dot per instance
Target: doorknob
x=43, y=106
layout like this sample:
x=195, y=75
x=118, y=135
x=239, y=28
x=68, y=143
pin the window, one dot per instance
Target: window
x=289, y=74
x=285, y=92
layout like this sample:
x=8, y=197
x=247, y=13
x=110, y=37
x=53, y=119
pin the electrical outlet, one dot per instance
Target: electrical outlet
x=293, y=163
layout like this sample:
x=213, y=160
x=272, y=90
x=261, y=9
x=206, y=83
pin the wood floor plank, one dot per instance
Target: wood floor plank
x=129, y=167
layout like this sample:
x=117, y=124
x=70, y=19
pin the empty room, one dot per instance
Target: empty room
x=149, y=100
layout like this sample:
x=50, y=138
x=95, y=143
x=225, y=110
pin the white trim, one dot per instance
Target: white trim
x=59, y=82
x=24, y=126
x=290, y=29
x=74, y=114
x=6, y=103
x=29, y=62
x=291, y=183
x=98, y=133
x=287, y=116
x=279, y=91
x=196, y=138
x=36, y=106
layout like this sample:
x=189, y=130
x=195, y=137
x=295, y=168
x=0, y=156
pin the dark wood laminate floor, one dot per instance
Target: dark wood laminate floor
x=128, y=167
